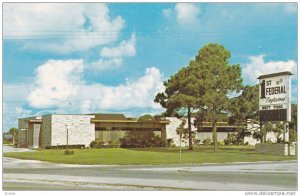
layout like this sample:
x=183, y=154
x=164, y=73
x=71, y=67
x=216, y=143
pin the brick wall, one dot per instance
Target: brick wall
x=280, y=149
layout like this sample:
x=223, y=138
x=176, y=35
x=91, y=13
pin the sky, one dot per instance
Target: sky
x=74, y=58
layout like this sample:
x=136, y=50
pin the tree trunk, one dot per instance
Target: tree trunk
x=190, y=129
x=215, y=140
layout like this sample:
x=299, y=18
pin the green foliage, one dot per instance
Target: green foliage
x=207, y=142
x=146, y=118
x=101, y=144
x=170, y=143
x=182, y=131
x=202, y=86
x=72, y=146
x=244, y=106
x=196, y=142
x=13, y=131
x=293, y=135
x=216, y=78
x=293, y=124
x=97, y=143
x=113, y=144
x=69, y=152
x=179, y=97
x=141, y=139
x=231, y=139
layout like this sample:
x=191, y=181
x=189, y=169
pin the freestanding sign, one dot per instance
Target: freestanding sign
x=275, y=97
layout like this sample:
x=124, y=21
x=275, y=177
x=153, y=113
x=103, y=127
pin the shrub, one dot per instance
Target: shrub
x=207, y=142
x=97, y=144
x=170, y=142
x=113, y=144
x=69, y=152
x=233, y=139
x=72, y=146
x=141, y=139
x=196, y=142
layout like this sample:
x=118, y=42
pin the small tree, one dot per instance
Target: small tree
x=180, y=96
x=14, y=132
x=242, y=109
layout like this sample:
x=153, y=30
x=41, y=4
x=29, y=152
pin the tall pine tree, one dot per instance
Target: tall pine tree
x=216, y=80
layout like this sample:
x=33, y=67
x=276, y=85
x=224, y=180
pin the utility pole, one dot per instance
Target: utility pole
x=67, y=138
x=180, y=136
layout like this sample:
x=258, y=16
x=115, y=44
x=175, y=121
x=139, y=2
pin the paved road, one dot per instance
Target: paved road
x=37, y=175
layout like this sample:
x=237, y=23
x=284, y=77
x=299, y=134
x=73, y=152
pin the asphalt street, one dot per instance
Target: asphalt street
x=38, y=175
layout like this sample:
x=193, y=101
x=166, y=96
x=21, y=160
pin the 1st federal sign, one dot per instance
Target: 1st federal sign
x=275, y=97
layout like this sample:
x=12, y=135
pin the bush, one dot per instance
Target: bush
x=141, y=139
x=97, y=144
x=73, y=146
x=233, y=139
x=113, y=144
x=207, y=142
x=196, y=142
x=170, y=142
x=69, y=152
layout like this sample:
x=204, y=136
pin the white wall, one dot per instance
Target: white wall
x=81, y=130
x=175, y=122
x=171, y=130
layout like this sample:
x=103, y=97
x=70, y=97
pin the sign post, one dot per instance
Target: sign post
x=275, y=99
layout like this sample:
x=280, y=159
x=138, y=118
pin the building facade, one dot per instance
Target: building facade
x=57, y=129
x=76, y=129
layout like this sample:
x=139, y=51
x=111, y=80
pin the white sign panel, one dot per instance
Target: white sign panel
x=274, y=93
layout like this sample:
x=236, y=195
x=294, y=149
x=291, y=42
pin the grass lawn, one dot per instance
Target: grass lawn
x=149, y=156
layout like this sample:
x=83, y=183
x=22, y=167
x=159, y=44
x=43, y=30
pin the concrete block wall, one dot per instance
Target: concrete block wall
x=22, y=132
x=270, y=148
x=279, y=149
x=80, y=129
x=45, y=134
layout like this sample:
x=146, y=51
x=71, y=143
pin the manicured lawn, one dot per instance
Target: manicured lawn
x=149, y=156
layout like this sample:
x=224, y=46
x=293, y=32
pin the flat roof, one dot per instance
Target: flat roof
x=101, y=116
x=131, y=121
x=275, y=74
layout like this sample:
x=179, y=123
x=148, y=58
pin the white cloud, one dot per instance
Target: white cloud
x=126, y=48
x=103, y=64
x=186, y=13
x=112, y=57
x=65, y=27
x=257, y=66
x=134, y=94
x=59, y=84
x=56, y=82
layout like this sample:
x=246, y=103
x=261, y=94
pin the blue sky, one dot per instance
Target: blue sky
x=95, y=57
